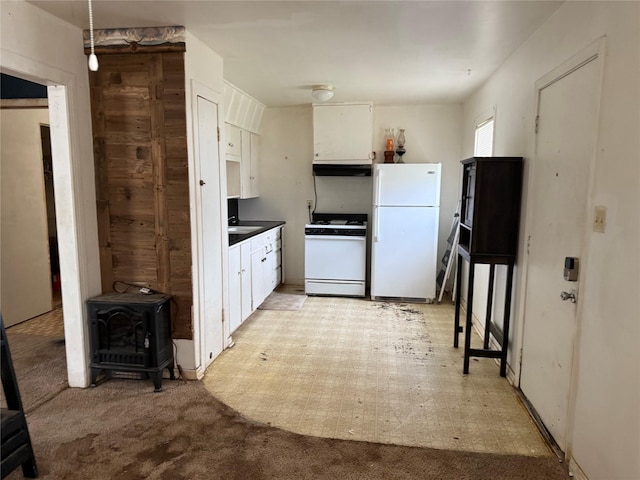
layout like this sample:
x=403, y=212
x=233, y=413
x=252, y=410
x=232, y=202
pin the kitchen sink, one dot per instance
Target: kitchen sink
x=241, y=229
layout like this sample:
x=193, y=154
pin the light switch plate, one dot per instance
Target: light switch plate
x=599, y=218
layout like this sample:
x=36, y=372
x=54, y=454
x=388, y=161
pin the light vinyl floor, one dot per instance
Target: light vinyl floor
x=373, y=371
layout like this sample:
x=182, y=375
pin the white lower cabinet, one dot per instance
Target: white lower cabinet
x=255, y=270
x=239, y=284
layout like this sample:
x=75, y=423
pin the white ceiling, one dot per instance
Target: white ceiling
x=388, y=52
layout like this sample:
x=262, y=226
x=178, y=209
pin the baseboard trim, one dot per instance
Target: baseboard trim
x=555, y=448
x=182, y=373
x=575, y=471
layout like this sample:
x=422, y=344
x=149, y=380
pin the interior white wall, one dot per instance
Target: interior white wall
x=203, y=72
x=37, y=46
x=286, y=180
x=606, y=418
x=24, y=240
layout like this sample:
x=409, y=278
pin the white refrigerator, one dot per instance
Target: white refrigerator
x=404, y=246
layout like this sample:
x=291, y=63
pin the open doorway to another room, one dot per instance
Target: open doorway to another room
x=30, y=266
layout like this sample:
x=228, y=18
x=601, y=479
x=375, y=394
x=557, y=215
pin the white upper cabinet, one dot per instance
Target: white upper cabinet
x=234, y=142
x=343, y=133
x=243, y=156
x=249, y=165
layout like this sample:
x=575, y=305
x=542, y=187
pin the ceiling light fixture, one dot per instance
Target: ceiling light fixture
x=322, y=93
x=93, y=60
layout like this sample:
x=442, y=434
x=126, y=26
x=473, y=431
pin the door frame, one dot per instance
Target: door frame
x=201, y=360
x=77, y=229
x=595, y=52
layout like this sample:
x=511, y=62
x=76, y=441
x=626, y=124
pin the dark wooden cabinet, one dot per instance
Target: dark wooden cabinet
x=491, y=191
x=489, y=225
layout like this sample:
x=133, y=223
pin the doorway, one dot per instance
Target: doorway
x=28, y=210
x=558, y=224
x=79, y=278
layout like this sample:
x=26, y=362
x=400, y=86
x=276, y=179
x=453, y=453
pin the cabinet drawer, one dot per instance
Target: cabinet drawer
x=257, y=243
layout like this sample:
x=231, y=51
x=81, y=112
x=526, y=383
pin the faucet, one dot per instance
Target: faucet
x=232, y=220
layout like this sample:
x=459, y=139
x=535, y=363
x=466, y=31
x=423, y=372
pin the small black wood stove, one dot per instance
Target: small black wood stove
x=131, y=332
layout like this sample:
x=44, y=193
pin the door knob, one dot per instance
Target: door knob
x=569, y=296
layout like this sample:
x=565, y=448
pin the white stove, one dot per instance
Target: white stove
x=335, y=255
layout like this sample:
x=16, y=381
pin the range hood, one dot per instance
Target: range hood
x=341, y=170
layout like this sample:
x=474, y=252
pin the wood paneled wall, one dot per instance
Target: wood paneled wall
x=140, y=151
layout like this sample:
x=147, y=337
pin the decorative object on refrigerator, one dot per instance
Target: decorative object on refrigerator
x=401, y=139
x=388, y=142
x=406, y=210
x=400, y=151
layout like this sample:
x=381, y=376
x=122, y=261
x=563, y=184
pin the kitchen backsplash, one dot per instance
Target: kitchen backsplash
x=232, y=207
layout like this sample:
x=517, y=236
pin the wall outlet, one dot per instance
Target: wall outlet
x=309, y=203
x=599, y=219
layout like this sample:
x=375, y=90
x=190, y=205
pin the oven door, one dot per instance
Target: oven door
x=334, y=257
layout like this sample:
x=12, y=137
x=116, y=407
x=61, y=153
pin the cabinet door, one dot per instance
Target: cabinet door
x=269, y=269
x=234, y=142
x=249, y=165
x=254, y=171
x=468, y=194
x=245, y=269
x=342, y=133
x=257, y=278
x=235, y=288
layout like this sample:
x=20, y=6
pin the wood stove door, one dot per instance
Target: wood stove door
x=121, y=336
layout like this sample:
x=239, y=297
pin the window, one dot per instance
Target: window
x=484, y=139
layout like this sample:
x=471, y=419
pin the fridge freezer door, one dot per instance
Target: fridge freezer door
x=404, y=252
x=407, y=184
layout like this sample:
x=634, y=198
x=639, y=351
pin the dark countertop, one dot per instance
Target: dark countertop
x=240, y=237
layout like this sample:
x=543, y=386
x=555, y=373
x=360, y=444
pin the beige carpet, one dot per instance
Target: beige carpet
x=122, y=430
x=40, y=365
x=283, y=301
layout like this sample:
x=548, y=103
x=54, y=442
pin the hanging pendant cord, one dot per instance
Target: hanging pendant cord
x=91, y=26
x=93, y=60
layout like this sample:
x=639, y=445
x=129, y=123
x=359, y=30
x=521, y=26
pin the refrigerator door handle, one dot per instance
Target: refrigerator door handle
x=376, y=222
x=378, y=174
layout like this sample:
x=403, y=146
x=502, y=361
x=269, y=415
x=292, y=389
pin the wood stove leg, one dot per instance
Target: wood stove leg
x=94, y=376
x=157, y=381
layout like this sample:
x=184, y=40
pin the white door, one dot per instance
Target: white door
x=342, y=133
x=564, y=148
x=211, y=328
x=245, y=275
x=330, y=257
x=408, y=184
x=235, y=288
x=404, y=252
x=25, y=269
